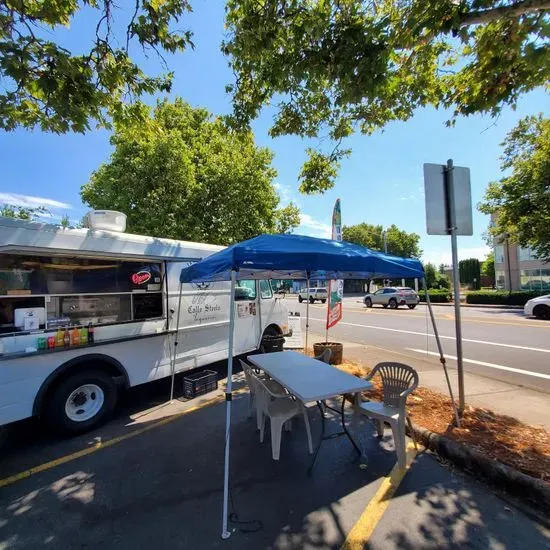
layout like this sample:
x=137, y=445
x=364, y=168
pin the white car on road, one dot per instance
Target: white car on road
x=392, y=297
x=539, y=307
x=314, y=294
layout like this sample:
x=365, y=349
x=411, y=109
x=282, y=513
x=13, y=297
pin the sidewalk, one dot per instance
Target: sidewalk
x=529, y=406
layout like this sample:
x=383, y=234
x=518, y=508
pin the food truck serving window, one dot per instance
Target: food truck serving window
x=69, y=291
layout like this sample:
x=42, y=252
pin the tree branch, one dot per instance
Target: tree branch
x=514, y=10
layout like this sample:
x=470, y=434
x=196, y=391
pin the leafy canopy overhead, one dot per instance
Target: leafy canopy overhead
x=520, y=203
x=336, y=66
x=399, y=242
x=183, y=174
x=45, y=84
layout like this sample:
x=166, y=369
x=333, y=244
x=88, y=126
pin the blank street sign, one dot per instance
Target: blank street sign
x=437, y=210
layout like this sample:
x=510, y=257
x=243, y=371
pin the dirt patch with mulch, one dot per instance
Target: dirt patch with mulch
x=499, y=437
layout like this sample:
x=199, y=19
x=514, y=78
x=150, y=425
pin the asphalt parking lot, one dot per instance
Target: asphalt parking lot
x=152, y=477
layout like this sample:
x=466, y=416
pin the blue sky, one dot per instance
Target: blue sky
x=381, y=183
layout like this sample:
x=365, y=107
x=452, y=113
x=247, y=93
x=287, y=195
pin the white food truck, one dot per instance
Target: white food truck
x=85, y=313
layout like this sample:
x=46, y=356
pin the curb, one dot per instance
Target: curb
x=497, y=474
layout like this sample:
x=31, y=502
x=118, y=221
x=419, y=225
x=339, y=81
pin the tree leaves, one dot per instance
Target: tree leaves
x=181, y=173
x=520, y=203
x=338, y=66
x=398, y=242
x=46, y=85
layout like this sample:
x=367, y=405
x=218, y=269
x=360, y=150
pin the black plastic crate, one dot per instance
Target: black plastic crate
x=199, y=383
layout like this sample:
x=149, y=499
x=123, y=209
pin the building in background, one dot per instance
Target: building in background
x=518, y=268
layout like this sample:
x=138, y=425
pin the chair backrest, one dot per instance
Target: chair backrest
x=326, y=356
x=398, y=381
x=251, y=380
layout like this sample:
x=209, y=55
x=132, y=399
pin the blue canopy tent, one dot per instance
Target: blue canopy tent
x=290, y=257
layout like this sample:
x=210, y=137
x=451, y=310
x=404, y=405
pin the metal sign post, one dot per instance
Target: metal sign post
x=449, y=212
x=451, y=216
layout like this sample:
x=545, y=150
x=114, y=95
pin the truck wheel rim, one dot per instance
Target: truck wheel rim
x=84, y=402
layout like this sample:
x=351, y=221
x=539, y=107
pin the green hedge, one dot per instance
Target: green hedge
x=501, y=297
x=436, y=296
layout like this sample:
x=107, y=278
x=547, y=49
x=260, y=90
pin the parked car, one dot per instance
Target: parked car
x=539, y=307
x=392, y=297
x=314, y=294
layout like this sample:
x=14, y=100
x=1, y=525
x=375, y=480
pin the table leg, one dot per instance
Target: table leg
x=321, y=438
x=345, y=427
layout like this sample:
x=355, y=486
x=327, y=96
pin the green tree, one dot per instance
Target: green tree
x=399, y=242
x=183, y=174
x=336, y=67
x=520, y=202
x=470, y=272
x=488, y=266
x=430, y=272
x=288, y=218
x=44, y=83
x=22, y=212
x=441, y=269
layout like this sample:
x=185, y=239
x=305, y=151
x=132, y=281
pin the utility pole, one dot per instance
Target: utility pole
x=385, y=242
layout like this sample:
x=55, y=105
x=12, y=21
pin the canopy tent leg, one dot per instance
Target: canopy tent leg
x=176, y=346
x=228, y=395
x=259, y=298
x=441, y=356
x=307, y=312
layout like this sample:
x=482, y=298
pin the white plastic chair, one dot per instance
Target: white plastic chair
x=280, y=407
x=398, y=381
x=251, y=380
x=325, y=356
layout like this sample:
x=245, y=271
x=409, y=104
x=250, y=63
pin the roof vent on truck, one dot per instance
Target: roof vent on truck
x=106, y=220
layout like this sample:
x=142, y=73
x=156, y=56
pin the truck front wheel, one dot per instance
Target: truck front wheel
x=81, y=402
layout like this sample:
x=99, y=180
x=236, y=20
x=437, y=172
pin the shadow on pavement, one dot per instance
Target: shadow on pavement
x=438, y=509
x=163, y=489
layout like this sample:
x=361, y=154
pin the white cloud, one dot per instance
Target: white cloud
x=437, y=257
x=286, y=193
x=314, y=228
x=29, y=201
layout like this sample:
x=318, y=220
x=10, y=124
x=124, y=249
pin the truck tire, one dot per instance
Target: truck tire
x=81, y=402
x=300, y=299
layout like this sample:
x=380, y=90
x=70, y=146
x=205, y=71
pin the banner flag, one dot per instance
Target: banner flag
x=336, y=288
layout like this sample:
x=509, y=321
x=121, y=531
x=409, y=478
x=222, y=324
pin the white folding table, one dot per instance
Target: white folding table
x=310, y=380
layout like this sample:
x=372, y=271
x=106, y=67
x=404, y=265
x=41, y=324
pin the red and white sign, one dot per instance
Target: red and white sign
x=141, y=277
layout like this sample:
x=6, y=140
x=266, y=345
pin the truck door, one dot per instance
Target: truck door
x=247, y=323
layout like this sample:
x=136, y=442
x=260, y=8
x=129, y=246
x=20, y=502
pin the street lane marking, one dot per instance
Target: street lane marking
x=533, y=323
x=490, y=365
x=485, y=342
x=104, y=445
x=361, y=532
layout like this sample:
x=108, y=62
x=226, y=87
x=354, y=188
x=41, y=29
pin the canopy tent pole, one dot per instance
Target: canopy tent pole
x=440, y=349
x=176, y=345
x=228, y=396
x=259, y=298
x=307, y=310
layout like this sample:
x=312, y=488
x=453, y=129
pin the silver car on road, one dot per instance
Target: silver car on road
x=392, y=297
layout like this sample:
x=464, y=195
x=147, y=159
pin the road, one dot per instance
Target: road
x=500, y=344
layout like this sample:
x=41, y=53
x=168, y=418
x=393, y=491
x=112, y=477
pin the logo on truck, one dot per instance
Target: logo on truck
x=141, y=277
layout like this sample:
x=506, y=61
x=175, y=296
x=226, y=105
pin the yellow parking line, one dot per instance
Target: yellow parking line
x=104, y=445
x=361, y=532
